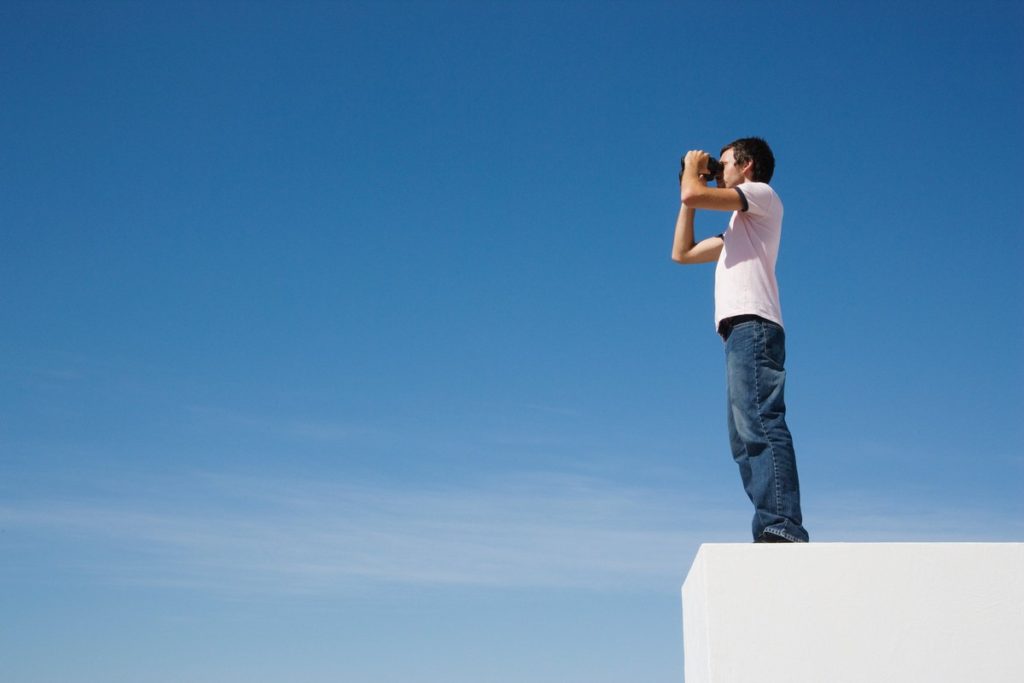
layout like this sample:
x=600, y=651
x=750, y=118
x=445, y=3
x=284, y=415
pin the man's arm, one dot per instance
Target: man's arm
x=684, y=250
x=697, y=195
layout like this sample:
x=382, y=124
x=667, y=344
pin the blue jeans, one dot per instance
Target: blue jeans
x=755, y=356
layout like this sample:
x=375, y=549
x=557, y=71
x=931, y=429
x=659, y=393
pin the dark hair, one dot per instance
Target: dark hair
x=756, y=150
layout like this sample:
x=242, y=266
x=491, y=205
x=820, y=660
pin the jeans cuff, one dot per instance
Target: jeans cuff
x=787, y=536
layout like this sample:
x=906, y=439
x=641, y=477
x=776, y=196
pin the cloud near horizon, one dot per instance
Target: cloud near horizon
x=227, y=533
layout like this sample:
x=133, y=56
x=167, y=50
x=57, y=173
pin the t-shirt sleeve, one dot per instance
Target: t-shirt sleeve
x=757, y=197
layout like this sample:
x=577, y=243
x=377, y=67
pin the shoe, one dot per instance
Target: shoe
x=767, y=537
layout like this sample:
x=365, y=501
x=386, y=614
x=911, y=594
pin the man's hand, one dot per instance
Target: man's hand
x=697, y=159
x=695, y=165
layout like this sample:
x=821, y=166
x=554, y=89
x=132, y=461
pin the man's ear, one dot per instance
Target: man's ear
x=748, y=170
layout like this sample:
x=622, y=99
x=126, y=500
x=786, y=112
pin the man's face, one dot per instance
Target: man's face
x=732, y=175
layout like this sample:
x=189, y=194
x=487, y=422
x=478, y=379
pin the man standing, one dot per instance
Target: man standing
x=749, y=319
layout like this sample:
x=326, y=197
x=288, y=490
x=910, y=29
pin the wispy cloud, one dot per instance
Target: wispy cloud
x=246, y=534
x=237, y=533
x=867, y=516
x=300, y=429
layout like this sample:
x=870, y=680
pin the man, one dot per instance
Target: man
x=749, y=319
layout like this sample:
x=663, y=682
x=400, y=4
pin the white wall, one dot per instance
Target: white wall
x=845, y=613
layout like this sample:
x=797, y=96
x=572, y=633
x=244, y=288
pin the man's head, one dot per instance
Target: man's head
x=753, y=160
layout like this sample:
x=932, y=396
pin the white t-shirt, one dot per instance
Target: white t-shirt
x=745, y=276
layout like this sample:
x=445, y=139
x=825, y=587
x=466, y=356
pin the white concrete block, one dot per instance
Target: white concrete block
x=855, y=613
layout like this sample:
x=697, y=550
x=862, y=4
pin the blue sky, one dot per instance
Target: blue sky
x=341, y=340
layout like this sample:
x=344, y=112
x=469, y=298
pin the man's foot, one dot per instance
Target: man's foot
x=771, y=538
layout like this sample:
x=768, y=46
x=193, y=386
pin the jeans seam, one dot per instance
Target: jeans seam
x=760, y=417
